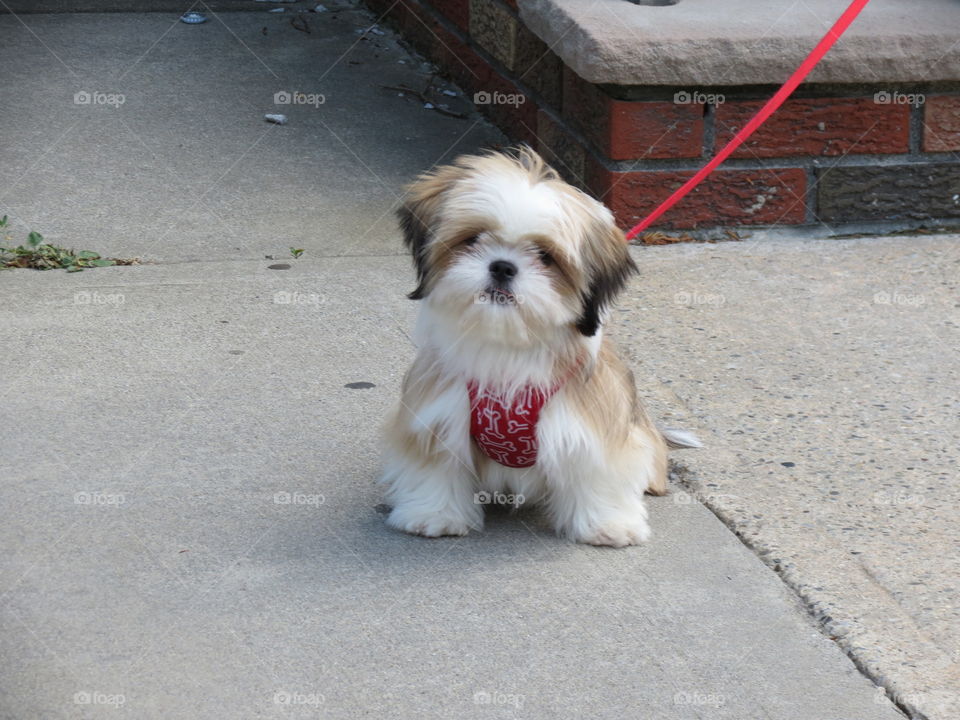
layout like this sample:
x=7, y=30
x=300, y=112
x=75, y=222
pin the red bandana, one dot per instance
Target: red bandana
x=505, y=433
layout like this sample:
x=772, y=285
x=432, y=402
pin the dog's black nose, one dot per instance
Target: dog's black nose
x=503, y=271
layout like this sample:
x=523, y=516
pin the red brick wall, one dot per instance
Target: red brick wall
x=836, y=156
x=817, y=126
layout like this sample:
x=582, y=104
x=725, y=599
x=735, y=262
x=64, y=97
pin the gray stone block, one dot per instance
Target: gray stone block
x=889, y=192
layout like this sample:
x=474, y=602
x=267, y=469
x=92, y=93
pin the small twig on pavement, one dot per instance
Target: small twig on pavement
x=425, y=100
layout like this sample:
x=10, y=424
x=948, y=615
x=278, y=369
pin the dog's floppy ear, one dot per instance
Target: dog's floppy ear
x=418, y=217
x=609, y=266
x=416, y=230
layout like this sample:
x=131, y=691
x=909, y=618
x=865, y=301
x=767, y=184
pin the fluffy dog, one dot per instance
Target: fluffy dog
x=515, y=394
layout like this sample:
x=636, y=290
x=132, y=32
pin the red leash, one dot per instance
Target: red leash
x=833, y=34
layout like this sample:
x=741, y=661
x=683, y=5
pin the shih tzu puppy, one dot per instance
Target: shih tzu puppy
x=515, y=393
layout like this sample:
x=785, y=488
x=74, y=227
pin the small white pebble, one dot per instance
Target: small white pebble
x=319, y=8
x=428, y=106
x=277, y=10
x=449, y=93
x=276, y=119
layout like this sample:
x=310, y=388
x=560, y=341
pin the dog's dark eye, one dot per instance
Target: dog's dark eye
x=472, y=240
x=546, y=258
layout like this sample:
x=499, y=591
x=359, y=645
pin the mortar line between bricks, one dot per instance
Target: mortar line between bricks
x=709, y=130
x=762, y=92
x=810, y=196
x=791, y=161
x=915, y=132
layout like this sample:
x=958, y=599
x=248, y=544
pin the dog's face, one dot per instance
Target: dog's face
x=508, y=250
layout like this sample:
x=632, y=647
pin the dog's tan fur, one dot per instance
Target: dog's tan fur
x=431, y=460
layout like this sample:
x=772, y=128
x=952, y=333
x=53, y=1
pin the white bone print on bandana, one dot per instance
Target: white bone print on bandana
x=506, y=433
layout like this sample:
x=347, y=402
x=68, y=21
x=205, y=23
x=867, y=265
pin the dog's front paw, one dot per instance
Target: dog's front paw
x=436, y=523
x=617, y=534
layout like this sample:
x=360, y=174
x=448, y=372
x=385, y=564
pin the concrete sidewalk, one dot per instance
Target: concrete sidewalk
x=159, y=420
x=821, y=374
x=186, y=168
x=192, y=526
